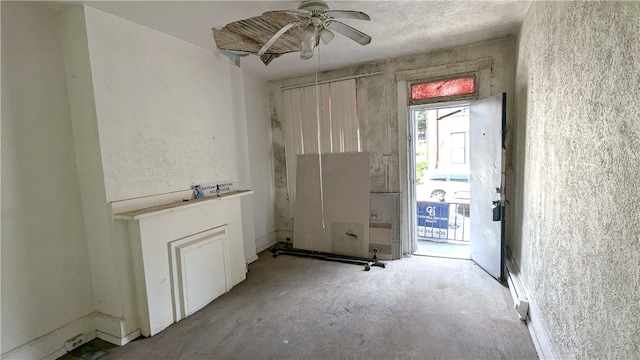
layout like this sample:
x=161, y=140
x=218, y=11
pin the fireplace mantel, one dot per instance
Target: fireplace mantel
x=177, y=205
x=184, y=254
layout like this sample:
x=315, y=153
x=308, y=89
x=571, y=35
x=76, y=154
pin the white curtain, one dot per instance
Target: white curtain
x=336, y=105
x=344, y=117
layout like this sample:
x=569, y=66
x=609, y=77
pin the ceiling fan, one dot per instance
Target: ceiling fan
x=316, y=21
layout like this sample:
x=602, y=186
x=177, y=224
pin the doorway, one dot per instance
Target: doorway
x=441, y=179
x=466, y=82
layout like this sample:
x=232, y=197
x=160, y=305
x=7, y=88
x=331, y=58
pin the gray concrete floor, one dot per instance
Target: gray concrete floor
x=301, y=308
x=458, y=250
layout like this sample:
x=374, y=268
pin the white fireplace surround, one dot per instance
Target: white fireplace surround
x=184, y=255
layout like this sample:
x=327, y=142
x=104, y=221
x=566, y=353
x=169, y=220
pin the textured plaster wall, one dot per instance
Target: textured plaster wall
x=577, y=156
x=46, y=280
x=378, y=111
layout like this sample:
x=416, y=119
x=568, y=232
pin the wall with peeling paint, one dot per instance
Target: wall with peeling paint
x=378, y=107
x=577, y=155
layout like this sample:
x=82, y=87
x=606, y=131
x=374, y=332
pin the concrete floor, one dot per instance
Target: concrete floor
x=301, y=308
x=457, y=250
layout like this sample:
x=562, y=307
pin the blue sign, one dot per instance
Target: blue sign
x=432, y=216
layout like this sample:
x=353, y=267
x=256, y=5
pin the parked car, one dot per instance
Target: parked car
x=440, y=185
x=462, y=199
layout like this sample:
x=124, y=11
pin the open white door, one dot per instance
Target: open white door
x=486, y=129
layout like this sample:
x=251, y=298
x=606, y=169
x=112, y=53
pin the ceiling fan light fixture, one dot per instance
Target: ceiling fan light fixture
x=308, y=42
x=326, y=35
x=300, y=29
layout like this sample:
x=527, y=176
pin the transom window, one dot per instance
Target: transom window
x=443, y=88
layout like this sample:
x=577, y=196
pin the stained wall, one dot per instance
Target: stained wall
x=577, y=235
x=378, y=112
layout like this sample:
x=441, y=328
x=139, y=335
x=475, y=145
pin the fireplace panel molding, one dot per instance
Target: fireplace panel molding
x=183, y=255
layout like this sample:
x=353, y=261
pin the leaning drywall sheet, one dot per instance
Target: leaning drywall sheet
x=345, y=180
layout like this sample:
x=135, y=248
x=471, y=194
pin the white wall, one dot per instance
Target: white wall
x=260, y=154
x=140, y=113
x=152, y=115
x=170, y=114
x=242, y=162
x=46, y=281
x=96, y=212
x=578, y=154
x=164, y=109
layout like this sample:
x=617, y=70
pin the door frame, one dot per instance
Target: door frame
x=411, y=165
x=481, y=68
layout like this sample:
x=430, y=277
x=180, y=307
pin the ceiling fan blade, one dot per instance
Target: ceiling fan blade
x=298, y=12
x=348, y=14
x=346, y=30
x=267, y=58
x=276, y=36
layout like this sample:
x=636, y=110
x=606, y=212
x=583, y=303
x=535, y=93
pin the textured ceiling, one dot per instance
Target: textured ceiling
x=398, y=28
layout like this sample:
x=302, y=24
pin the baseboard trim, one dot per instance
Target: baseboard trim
x=109, y=324
x=252, y=259
x=266, y=241
x=537, y=328
x=116, y=340
x=114, y=329
x=51, y=345
x=539, y=334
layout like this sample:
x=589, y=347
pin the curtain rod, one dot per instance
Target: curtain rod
x=332, y=80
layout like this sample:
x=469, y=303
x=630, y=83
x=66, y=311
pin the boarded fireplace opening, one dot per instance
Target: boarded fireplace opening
x=198, y=270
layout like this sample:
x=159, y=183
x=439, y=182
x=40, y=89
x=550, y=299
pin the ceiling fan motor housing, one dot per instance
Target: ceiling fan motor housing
x=316, y=7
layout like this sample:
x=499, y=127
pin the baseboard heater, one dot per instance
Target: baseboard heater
x=285, y=249
x=520, y=300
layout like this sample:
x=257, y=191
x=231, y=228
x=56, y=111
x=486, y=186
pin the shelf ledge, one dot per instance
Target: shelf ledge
x=178, y=205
